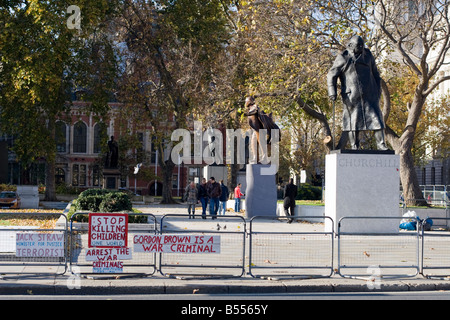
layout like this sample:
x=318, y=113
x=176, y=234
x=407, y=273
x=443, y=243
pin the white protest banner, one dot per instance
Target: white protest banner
x=108, y=230
x=40, y=245
x=176, y=243
x=108, y=254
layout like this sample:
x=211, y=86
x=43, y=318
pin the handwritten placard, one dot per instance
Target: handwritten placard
x=108, y=254
x=108, y=260
x=176, y=243
x=40, y=245
x=108, y=230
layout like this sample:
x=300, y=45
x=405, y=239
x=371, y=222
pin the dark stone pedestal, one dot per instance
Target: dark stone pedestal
x=111, y=179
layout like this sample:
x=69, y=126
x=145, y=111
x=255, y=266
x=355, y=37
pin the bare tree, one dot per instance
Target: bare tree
x=171, y=50
x=418, y=31
x=414, y=33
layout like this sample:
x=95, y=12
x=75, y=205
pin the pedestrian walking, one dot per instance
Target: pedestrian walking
x=237, y=198
x=203, y=197
x=223, y=198
x=290, y=193
x=191, y=197
x=214, y=191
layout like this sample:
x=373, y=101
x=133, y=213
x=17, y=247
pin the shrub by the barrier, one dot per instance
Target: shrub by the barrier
x=115, y=202
x=103, y=200
x=309, y=192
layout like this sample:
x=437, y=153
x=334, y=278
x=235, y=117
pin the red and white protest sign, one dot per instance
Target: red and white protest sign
x=176, y=243
x=108, y=254
x=108, y=230
x=108, y=260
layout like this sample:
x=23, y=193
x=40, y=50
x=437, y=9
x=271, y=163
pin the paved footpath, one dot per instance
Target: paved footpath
x=158, y=284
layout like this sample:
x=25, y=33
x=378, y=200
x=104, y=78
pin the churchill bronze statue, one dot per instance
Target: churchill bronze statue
x=360, y=81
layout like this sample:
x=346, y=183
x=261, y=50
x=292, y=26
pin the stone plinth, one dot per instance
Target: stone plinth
x=362, y=184
x=111, y=179
x=261, y=191
x=29, y=197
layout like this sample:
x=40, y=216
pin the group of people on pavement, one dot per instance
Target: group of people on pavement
x=216, y=196
x=213, y=194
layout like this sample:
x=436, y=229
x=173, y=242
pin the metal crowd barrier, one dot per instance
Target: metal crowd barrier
x=281, y=249
x=194, y=254
x=180, y=247
x=391, y=252
x=31, y=250
x=138, y=264
x=435, y=258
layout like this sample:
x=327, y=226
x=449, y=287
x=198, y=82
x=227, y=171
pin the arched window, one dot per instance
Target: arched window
x=99, y=136
x=60, y=137
x=80, y=137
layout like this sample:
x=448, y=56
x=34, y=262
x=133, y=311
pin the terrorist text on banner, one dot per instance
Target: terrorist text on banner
x=40, y=245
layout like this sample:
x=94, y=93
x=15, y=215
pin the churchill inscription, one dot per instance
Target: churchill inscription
x=369, y=163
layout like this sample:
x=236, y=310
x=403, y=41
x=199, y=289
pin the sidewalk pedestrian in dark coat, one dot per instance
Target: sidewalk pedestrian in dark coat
x=203, y=197
x=223, y=198
x=214, y=191
x=290, y=193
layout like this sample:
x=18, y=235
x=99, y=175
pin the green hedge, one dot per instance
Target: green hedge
x=309, y=192
x=7, y=187
x=115, y=202
x=105, y=201
x=102, y=200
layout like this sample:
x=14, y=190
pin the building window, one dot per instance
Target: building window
x=60, y=176
x=140, y=149
x=175, y=181
x=153, y=152
x=80, y=137
x=96, y=176
x=194, y=174
x=60, y=137
x=79, y=175
x=99, y=136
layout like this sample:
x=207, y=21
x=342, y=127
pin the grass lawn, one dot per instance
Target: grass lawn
x=29, y=217
x=318, y=203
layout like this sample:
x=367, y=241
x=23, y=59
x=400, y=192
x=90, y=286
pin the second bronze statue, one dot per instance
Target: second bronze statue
x=259, y=120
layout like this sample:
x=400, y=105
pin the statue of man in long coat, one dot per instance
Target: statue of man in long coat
x=360, y=91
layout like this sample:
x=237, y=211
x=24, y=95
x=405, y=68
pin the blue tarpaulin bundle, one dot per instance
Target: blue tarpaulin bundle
x=410, y=220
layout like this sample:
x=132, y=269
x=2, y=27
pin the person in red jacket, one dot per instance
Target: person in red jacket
x=237, y=198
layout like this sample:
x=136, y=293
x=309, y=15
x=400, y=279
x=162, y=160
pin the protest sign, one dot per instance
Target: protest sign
x=108, y=260
x=40, y=245
x=176, y=243
x=107, y=267
x=108, y=254
x=108, y=230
